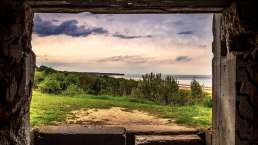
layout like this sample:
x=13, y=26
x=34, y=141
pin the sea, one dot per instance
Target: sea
x=205, y=80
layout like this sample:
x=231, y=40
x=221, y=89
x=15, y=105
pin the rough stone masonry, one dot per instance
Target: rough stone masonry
x=235, y=74
x=17, y=62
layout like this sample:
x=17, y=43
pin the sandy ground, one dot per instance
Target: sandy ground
x=132, y=120
x=114, y=116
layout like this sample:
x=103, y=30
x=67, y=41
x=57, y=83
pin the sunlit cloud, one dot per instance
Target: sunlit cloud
x=169, y=43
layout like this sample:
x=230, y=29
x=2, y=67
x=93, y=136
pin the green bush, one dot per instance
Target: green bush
x=196, y=91
x=72, y=89
x=170, y=90
x=155, y=88
x=152, y=86
x=50, y=85
x=208, y=101
x=39, y=77
x=135, y=93
x=183, y=97
x=70, y=79
x=97, y=87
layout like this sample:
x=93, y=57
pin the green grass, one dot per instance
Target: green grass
x=48, y=109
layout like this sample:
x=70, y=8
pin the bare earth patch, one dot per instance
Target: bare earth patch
x=133, y=120
x=114, y=116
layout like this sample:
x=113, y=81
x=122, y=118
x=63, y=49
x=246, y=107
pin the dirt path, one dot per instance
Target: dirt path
x=133, y=120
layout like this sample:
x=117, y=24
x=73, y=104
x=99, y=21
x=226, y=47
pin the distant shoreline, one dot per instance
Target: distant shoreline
x=183, y=80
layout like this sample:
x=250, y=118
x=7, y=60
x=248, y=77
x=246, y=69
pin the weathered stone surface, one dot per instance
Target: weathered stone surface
x=168, y=140
x=79, y=135
x=17, y=63
x=216, y=81
x=236, y=92
x=130, y=6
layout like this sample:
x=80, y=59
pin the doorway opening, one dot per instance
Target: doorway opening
x=145, y=72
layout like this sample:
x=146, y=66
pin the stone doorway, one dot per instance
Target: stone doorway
x=235, y=62
x=117, y=116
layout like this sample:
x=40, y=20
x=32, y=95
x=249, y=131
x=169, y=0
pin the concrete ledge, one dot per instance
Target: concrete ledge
x=130, y=6
x=77, y=135
x=168, y=140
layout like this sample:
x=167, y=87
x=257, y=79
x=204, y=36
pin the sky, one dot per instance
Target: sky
x=131, y=44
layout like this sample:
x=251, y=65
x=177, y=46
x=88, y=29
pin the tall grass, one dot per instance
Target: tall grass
x=49, y=109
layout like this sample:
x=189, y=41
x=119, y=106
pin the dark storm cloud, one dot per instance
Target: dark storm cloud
x=55, y=20
x=126, y=59
x=179, y=22
x=185, y=33
x=122, y=36
x=70, y=28
x=183, y=59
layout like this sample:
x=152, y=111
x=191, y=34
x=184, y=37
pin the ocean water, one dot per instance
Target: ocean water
x=205, y=80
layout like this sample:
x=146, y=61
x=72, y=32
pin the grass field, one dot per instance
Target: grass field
x=48, y=109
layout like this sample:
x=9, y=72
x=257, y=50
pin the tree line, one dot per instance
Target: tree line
x=152, y=86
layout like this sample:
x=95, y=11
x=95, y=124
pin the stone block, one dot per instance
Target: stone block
x=78, y=135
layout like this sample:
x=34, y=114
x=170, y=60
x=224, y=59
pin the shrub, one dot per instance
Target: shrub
x=97, y=87
x=87, y=81
x=72, y=89
x=155, y=88
x=39, y=77
x=196, y=91
x=170, y=90
x=60, y=77
x=72, y=79
x=208, y=103
x=208, y=100
x=183, y=97
x=50, y=85
x=135, y=93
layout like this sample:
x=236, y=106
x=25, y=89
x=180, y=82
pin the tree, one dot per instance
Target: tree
x=38, y=78
x=97, y=87
x=135, y=93
x=50, y=85
x=72, y=89
x=196, y=91
x=171, y=90
x=71, y=79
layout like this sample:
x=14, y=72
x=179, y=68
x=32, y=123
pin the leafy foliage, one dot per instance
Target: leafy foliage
x=50, y=85
x=152, y=86
x=166, y=90
x=196, y=91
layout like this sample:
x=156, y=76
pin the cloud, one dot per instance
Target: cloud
x=186, y=33
x=183, y=59
x=179, y=22
x=70, y=28
x=55, y=20
x=43, y=57
x=55, y=63
x=202, y=46
x=122, y=36
x=138, y=59
x=126, y=59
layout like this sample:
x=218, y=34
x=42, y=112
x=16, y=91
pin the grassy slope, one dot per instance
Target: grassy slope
x=48, y=109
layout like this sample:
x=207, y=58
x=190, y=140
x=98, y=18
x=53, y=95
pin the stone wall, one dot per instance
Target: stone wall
x=236, y=76
x=17, y=62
